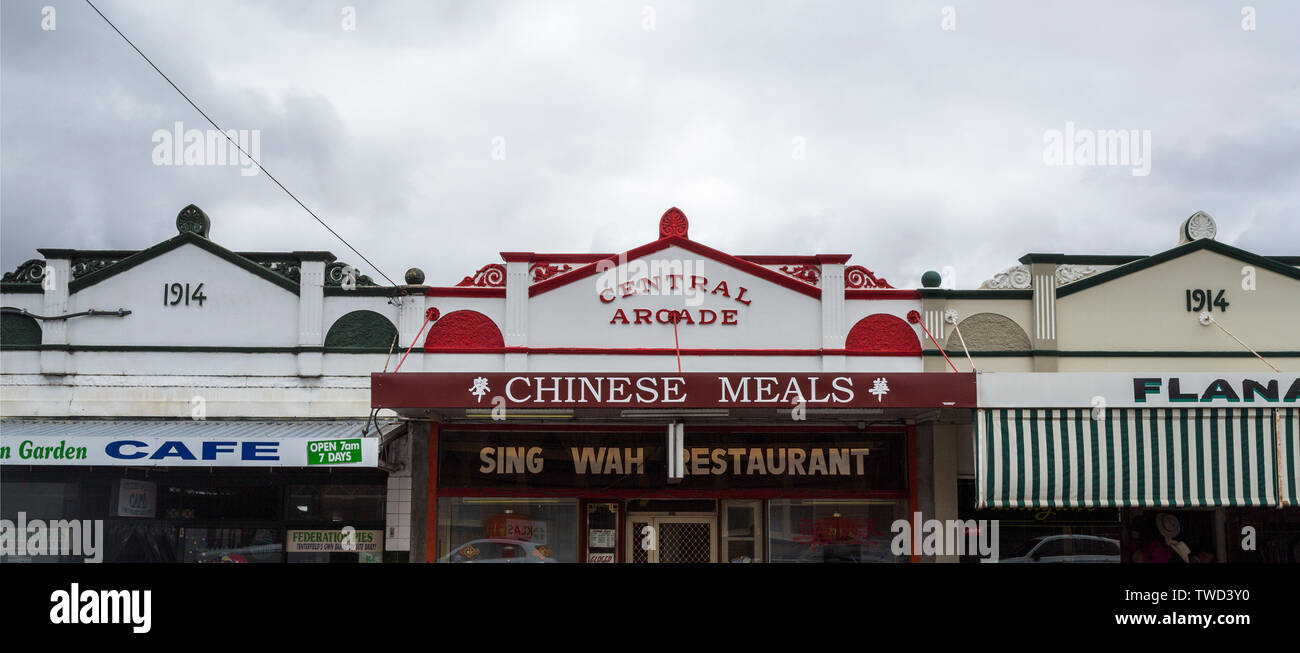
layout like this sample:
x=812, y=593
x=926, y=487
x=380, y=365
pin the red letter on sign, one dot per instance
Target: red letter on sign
x=722, y=285
x=729, y=316
x=607, y=295
x=618, y=315
x=641, y=314
x=741, y=297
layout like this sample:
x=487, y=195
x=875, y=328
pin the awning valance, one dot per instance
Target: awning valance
x=1128, y=457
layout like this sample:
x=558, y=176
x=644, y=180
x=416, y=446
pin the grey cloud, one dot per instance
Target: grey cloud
x=923, y=146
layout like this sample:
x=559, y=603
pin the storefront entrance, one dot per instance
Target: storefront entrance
x=674, y=539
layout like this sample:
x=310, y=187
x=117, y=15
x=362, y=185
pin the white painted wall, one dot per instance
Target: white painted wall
x=242, y=309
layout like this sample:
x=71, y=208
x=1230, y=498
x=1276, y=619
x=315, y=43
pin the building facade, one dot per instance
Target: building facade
x=670, y=403
x=1141, y=408
x=208, y=405
x=673, y=403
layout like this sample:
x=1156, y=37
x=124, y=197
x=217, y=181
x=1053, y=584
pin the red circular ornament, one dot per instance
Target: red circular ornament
x=673, y=223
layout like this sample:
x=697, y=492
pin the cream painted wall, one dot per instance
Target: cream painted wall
x=1146, y=310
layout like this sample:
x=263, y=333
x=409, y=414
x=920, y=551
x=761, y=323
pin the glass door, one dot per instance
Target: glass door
x=742, y=529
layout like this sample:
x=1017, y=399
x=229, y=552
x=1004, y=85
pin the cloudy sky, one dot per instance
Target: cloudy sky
x=909, y=134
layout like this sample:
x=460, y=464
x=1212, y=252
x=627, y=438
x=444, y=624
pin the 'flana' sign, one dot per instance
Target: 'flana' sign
x=1138, y=390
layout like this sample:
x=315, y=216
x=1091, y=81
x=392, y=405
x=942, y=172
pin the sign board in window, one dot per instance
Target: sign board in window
x=341, y=540
x=136, y=498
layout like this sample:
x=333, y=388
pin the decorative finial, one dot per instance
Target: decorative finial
x=415, y=277
x=1199, y=226
x=194, y=220
x=673, y=223
x=931, y=279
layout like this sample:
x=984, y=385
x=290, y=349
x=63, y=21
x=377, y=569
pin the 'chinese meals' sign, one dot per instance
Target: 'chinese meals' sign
x=691, y=390
x=1138, y=390
x=187, y=451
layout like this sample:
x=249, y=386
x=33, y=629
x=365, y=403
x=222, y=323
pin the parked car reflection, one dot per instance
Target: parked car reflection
x=1067, y=548
x=500, y=551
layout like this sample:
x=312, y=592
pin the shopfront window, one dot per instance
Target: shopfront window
x=336, y=503
x=200, y=502
x=741, y=531
x=1045, y=535
x=507, y=530
x=1159, y=535
x=1276, y=535
x=232, y=544
x=814, y=530
x=39, y=500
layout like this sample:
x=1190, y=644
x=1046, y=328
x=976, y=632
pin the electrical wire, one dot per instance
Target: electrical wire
x=237, y=146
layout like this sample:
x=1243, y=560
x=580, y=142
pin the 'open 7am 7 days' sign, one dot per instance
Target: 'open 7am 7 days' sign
x=692, y=390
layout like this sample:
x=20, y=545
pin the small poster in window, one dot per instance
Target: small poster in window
x=136, y=498
x=600, y=538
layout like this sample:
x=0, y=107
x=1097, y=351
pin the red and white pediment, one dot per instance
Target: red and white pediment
x=674, y=292
x=672, y=295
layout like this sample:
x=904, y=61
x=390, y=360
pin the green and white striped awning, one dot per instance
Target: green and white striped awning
x=1134, y=457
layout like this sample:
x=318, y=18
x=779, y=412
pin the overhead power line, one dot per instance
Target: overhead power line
x=236, y=144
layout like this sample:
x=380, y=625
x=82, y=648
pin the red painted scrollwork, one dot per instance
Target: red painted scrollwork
x=544, y=271
x=856, y=276
x=809, y=273
x=492, y=275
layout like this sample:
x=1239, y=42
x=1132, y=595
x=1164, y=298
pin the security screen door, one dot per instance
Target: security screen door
x=671, y=539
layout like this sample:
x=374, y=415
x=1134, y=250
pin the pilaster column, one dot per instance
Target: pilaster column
x=410, y=319
x=833, y=327
x=311, y=304
x=516, y=327
x=1043, y=280
x=58, y=273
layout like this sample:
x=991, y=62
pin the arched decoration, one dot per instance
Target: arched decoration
x=19, y=330
x=989, y=332
x=361, y=329
x=883, y=333
x=464, y=330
